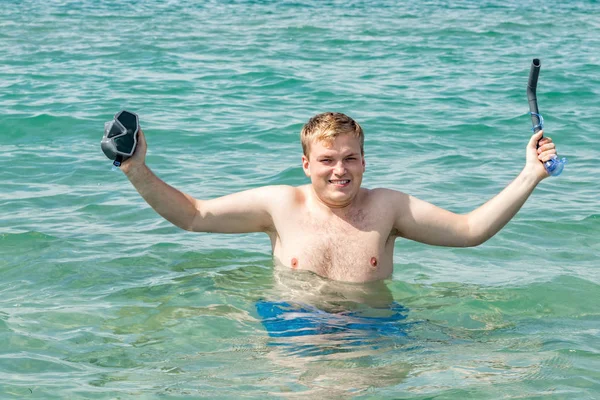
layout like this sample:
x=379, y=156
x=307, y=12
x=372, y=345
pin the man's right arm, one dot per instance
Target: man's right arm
x=242, y=212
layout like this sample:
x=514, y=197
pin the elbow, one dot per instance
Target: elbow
x=191, y=224
x=475, y=237
x=194, y=220
x=475, y=241
x=185, y=225
x=467, y=240
x=201, y=220
x=188, y=228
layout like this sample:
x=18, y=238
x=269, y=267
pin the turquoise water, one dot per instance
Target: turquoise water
x=100, y=298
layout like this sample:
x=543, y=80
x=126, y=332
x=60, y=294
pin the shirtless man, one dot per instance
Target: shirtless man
x=332, y=226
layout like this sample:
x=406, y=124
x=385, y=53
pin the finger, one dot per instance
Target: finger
x=535, y=138
x=141, y=137
x=545, y=147
x=545, y=156
x=549, y=157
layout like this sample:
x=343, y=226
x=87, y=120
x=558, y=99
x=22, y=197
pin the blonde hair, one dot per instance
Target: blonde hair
x=326, y=127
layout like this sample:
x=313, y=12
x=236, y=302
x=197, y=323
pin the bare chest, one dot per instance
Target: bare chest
x=357, y=250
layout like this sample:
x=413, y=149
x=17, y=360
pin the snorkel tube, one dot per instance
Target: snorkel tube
x=554, y=166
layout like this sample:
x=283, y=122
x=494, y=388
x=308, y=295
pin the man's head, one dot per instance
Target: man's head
x=326, y=127
x=333, y=159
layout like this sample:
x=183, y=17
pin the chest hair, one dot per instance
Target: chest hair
x=340, y=245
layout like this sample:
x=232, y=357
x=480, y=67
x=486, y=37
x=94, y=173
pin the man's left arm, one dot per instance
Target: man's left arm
x=423, y=222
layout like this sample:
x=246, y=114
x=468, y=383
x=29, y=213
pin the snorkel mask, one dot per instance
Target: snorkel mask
x=120, y=137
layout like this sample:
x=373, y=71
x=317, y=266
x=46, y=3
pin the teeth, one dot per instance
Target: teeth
x=340, y=182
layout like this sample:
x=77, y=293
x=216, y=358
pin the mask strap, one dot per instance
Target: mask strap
x=118, y=160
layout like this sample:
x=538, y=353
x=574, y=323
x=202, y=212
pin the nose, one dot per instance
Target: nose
x=339, y=169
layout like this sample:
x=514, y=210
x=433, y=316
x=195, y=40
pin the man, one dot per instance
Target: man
x=332, y=226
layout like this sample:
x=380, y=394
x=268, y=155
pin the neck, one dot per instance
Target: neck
x=339, y=209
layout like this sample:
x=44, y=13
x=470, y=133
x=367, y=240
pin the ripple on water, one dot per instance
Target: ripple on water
x=102, y=298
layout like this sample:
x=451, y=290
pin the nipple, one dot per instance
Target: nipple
x=294, y=263
x=374, y=262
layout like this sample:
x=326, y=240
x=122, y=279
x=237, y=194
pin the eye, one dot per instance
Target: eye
x=351, y=158
x=326, y=160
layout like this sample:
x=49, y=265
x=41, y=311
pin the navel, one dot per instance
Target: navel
x=374, y=262
x=294, y=263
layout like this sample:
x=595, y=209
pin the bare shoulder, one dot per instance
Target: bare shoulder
x=284, y=191
x=285, y=202
x=384, y=196
x=286, y=195
x=390, y=204
x=283, y=197
x=273, y=191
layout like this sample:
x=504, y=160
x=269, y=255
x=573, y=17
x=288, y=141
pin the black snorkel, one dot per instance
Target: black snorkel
x=534, y=73
x=554, y=166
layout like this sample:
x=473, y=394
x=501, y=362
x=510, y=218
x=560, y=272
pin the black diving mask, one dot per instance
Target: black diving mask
x=120, y=137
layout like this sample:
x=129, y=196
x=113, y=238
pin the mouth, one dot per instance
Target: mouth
x=339, y=182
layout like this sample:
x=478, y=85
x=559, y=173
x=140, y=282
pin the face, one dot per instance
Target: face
x=335, y=170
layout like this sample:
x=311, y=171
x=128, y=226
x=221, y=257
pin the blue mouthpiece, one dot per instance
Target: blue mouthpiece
x=555, y=166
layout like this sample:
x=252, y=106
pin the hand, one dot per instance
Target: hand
x=139, y=155
x=537, y=156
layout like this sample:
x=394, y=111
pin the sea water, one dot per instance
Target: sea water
x=101, y=298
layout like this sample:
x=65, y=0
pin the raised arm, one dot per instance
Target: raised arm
x=424, y=222
x=243, y=212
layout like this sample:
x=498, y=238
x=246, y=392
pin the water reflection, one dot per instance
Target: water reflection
x=336, y=338
x=328, y=295
x=307, y=315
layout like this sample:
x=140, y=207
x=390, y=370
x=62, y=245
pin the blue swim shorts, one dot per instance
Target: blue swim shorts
x=287, y=319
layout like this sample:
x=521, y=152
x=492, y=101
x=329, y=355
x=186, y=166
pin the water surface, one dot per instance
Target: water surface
x=101, y=298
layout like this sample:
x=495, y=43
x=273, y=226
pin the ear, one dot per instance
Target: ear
x=306, y=165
